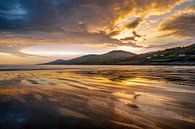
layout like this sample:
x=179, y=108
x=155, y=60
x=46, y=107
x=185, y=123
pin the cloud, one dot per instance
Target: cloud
x=113, y=33
x=134, y=24
x=30, y=22
x=55, y=15
x=132, y=38
x=172, y=44
x=129, y=39
x=136, y=35
x=182, y=24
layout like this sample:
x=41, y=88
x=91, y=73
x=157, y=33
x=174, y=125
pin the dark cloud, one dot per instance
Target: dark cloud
x=134, y=24
x=129, y=39
x=133, y=38
x=52, y=15
x=89, y=21
x=182, y=25
x=136, y=34
x=167, y=35
x=113, y=33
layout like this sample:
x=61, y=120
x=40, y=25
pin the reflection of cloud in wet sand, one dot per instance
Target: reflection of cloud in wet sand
x=103, y=98
x=68, y=112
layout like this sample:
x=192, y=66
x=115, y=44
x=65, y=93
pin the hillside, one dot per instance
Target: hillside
x=112, y=57
x=178, y=55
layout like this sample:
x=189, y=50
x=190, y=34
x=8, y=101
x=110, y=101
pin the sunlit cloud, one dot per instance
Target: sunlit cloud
x=110, y=23
x=181, y=24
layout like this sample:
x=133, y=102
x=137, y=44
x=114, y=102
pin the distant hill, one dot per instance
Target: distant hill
x=177, y=56
x=108, y=58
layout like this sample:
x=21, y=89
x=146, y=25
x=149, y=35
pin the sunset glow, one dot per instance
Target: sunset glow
x=97, y=64
x=131, y=25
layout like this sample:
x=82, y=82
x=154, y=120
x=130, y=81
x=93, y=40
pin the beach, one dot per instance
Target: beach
x=97, y=97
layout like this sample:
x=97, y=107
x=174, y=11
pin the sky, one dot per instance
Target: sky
x=36, y=31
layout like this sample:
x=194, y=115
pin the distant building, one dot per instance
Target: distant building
x=149, y=57
x=155, y=55
x=182, y=55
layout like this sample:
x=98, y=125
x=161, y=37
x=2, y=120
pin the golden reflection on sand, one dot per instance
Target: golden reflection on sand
x=130, y=101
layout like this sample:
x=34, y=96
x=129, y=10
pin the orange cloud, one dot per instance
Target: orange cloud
x=180, y=24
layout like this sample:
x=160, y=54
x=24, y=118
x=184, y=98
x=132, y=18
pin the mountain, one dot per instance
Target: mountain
x=107, y=58
x=173, y=56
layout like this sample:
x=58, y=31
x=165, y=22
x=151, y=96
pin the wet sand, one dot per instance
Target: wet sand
x=98, y=97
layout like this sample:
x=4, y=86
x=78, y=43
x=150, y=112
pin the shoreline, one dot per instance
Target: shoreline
x=144, y=97
x=64, y=67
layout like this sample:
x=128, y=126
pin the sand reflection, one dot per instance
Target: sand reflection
x=95, y=99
